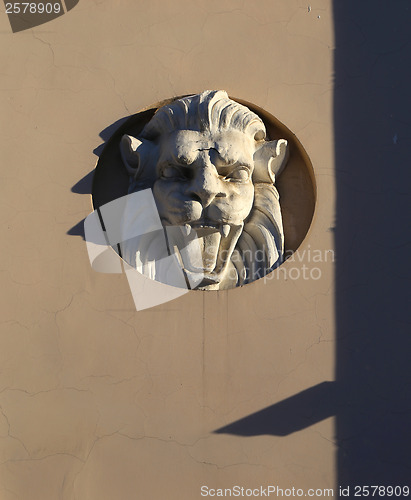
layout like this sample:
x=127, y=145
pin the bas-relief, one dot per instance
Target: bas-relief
x=212, y=174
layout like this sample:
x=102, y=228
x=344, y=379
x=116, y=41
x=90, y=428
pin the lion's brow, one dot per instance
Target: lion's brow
x=182, y=157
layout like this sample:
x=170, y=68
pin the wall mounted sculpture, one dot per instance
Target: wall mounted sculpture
x=212, y=174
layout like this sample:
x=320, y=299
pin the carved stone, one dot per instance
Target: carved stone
x=212, y=175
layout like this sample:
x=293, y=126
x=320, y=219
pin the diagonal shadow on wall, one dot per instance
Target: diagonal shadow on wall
x=290, y=415
x=371, y=397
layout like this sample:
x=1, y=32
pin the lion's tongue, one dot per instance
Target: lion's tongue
x=199, y=250
x=209, y=245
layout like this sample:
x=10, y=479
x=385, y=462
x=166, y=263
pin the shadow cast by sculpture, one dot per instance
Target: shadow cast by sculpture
x=84, y=185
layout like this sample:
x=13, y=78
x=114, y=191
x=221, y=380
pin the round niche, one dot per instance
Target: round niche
x=295, y=182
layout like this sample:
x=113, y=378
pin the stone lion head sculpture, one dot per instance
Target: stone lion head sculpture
x=212, y=174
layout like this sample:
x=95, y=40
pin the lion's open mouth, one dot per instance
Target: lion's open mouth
x=204, y=249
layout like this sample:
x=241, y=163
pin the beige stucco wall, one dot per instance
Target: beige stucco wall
x=99, y=401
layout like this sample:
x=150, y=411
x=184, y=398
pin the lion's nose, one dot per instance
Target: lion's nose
x=206, y=186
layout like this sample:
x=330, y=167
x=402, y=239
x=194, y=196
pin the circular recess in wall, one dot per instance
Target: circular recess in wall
x=296, y=184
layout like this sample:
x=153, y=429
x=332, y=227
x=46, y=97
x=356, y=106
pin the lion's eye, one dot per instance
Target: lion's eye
x=240, y=174
x=173, y=172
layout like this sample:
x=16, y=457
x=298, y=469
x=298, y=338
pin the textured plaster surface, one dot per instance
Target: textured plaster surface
x=98, y=401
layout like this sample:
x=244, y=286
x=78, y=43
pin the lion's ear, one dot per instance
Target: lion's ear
x=270, y=160
x=132, y=150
